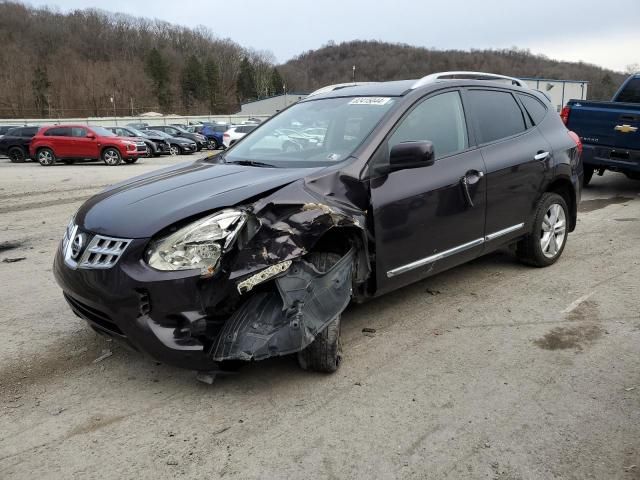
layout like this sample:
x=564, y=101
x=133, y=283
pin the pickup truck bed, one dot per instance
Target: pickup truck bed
x=610, y=131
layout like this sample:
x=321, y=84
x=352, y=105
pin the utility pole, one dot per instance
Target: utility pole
x=113, y=102
x=354, y=74
x=131, y=100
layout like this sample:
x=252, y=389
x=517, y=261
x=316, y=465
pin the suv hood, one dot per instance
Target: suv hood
x=142, y=206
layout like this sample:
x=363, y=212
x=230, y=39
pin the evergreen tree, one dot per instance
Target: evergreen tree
x=157, y=69
x=277, y=82
x=192, y=82
x=40, y=85
x=246, y=86
x=212, y=79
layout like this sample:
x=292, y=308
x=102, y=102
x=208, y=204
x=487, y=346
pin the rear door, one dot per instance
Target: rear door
x=423, y=220
x=518, y=160
x=59, y=138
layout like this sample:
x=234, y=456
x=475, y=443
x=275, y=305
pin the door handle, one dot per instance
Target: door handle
x=470, y=178
x=541, y=155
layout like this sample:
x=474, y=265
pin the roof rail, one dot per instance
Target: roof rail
x=466, y=76
x=337, y=86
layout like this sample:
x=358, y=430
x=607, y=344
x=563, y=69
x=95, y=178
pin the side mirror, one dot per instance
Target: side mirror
x=91, y=136
x=411, y=155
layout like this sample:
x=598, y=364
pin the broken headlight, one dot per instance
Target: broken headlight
x=199, y=245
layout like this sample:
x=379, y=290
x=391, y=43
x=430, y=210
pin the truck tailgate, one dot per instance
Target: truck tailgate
x=608, y=124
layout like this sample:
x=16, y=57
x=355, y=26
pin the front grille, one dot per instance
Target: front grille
x=103, y=252
x=93, y=315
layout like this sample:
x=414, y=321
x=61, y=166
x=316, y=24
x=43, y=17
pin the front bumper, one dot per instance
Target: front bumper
x=151, y=311
x=616, y=159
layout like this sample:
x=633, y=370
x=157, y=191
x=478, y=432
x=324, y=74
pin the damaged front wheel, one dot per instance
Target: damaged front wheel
x=324, y=354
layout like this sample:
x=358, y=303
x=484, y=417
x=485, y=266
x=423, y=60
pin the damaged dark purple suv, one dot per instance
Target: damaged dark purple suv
x=352, y=192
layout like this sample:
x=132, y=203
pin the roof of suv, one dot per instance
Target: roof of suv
x=400, y=88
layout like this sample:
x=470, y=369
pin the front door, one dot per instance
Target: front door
x=81, y=146
x=430, y=218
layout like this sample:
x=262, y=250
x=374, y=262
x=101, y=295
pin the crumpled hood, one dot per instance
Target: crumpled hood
x=144, y=205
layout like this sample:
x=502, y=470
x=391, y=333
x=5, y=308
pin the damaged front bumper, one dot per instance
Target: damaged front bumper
x=195, y=323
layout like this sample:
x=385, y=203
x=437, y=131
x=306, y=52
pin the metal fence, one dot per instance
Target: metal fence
x=115, y=121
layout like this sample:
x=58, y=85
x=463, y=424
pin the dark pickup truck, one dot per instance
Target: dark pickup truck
x=610, y=131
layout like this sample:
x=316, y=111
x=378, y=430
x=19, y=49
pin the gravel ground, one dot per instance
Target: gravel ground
x=490, y=370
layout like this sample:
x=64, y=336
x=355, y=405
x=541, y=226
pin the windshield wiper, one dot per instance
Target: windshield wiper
x=250, y=163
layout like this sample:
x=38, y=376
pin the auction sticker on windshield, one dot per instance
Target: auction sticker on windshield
x=370, y=101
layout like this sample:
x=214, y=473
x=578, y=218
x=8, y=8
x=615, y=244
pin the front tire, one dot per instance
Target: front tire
x=16, y=155
x=324, y=354
x=174, y=149
x=111, y=157
x=546, y=242
x=46, y=157
x=588, y=174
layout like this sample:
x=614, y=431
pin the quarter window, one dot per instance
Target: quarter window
x=534, y=107
x=496, y=115
x=438, y=119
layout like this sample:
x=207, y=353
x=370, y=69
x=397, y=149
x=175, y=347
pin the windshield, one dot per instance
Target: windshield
x=311, y=134
x=136, y=132
x=103, y=132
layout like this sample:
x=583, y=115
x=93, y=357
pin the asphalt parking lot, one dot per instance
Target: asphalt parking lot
x=491, y=370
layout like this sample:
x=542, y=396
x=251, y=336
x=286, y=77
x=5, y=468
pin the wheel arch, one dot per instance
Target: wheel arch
x=564, y=187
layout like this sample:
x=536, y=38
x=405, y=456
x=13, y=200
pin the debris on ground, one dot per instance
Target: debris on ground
x=9, y=245
x=629, y=389
x=433, y=292
x=105, y=354
x=13, y=260
x=368, y=330
x=57, y=411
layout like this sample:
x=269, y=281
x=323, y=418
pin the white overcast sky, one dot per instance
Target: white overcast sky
x=602, y=32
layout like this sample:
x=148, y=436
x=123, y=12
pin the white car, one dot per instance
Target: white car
x=235, y=133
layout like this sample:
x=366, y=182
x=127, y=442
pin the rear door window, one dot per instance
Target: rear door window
x=496, y=115
x=29, y=131
x=631, y=92
x=58, y=132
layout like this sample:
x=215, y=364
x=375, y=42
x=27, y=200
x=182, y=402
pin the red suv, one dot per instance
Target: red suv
x=69, y=143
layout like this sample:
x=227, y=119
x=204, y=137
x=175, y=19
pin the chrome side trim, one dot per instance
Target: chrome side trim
x=434, y=258
x=500, y=233
x=452, y=251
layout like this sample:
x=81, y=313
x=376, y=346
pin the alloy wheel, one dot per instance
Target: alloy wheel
x=45, y=157
x=554, y=230
x=174, y=150
x=16, y=155
x=111, y=158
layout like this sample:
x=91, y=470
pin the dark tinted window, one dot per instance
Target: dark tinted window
x=439, y=119
x=496, y=115
x=534, y=107
x=30, y=131
x=78, y=132
x=221, y=129
x=58, y=132
x=631, y=92
x=14, y=132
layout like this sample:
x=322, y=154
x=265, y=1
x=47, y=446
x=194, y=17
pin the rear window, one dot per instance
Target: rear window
x=631, y=92
x=496, y=115
x=220, y=129
x=58, y=132
x=30, y=131
x=534, y=107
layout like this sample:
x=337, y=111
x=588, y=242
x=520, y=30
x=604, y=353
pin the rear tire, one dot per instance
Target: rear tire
x=588, y=174
x=16, y=155
x=548, y=237
x=111, y=157
x=46, y=157
x=324, y=354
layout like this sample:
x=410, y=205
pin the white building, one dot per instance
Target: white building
x=560, y=91
x=270, y=105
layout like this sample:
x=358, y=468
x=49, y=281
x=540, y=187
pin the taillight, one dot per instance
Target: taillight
x=225, y=135
x=564, y=114
x=576, y=139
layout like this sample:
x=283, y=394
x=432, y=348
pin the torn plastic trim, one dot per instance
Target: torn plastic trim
x=247, y=285
x=287, y=319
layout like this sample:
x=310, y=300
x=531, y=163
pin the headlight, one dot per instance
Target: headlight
x=199, y=245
